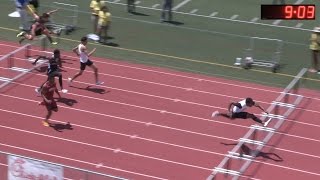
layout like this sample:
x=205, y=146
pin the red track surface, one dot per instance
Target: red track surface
x=151, y=123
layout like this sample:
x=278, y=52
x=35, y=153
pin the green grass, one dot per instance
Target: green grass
x=200, y=45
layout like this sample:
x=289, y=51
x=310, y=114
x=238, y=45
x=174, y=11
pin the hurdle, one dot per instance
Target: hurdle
x=262, y=128
x=274, y=116
x=252, y=58
x=250, y=137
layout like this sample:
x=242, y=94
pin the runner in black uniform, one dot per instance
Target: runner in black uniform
x=53, y=68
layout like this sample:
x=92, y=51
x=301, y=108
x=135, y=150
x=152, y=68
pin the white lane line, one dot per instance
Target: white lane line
x=298, y=1
x=5, y=79
x=117, y=150
x=193, y=11
x=213, y=14
x=255, y=19
x=160, y=142
x=137, y=2
x=148, y=123
x=163, y=111
x=188, y=89
x=129, y=120
x=299, y=25
x=130, y=153
x=99, y=165
x=134, y=136
x=152, y=109
x=155, y=5
x=176, y=100
x=180, y=5
x=171, y=74
x=276, y=22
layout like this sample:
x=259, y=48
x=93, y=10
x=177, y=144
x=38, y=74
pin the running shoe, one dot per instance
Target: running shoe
x=21, y=34
x=99, y=83
x=215, y=114
x=64, y=90
x=69, y=81
x=37, y=90
x=20, y=41
x=58, y=32
x=45, y=123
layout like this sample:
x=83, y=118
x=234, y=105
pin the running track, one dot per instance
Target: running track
x=151, y=123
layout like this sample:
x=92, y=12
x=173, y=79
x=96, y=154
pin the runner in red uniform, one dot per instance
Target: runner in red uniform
x=47, y=92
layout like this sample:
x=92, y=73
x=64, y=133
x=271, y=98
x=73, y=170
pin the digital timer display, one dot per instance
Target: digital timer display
x=289, y=12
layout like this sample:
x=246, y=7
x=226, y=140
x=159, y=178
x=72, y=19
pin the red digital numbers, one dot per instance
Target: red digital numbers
x=311, y=12
x=299, y=12
x=288, y=10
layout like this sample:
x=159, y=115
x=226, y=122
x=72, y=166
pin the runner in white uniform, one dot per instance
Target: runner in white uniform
x=81, y=51
x=238, y=110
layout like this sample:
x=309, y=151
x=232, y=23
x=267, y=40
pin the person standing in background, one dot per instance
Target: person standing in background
x=315, y=48
x=95, y=6
x=103, y=24
x=167, y=8
x=131, y=6
x=21, y=6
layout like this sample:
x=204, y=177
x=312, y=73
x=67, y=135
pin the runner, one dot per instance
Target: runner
x=236, y=110
x=38, y=28
x=81, y=51
x=47, y=92
x=53, y=68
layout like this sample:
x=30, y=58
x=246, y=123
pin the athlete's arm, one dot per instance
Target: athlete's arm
x=40, y=57
x=234, y=104
x=33, y=13
x=75, y=51
x=258, y=106
x=56, y=90
x=33, y=29
x=43, y=91
x=90, y=53
x=53, y=11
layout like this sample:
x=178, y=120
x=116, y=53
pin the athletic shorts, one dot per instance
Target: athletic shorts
x=83, y=65
x=38, y=32
x=54, y=74
x=50, y=106
x=241, y=115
